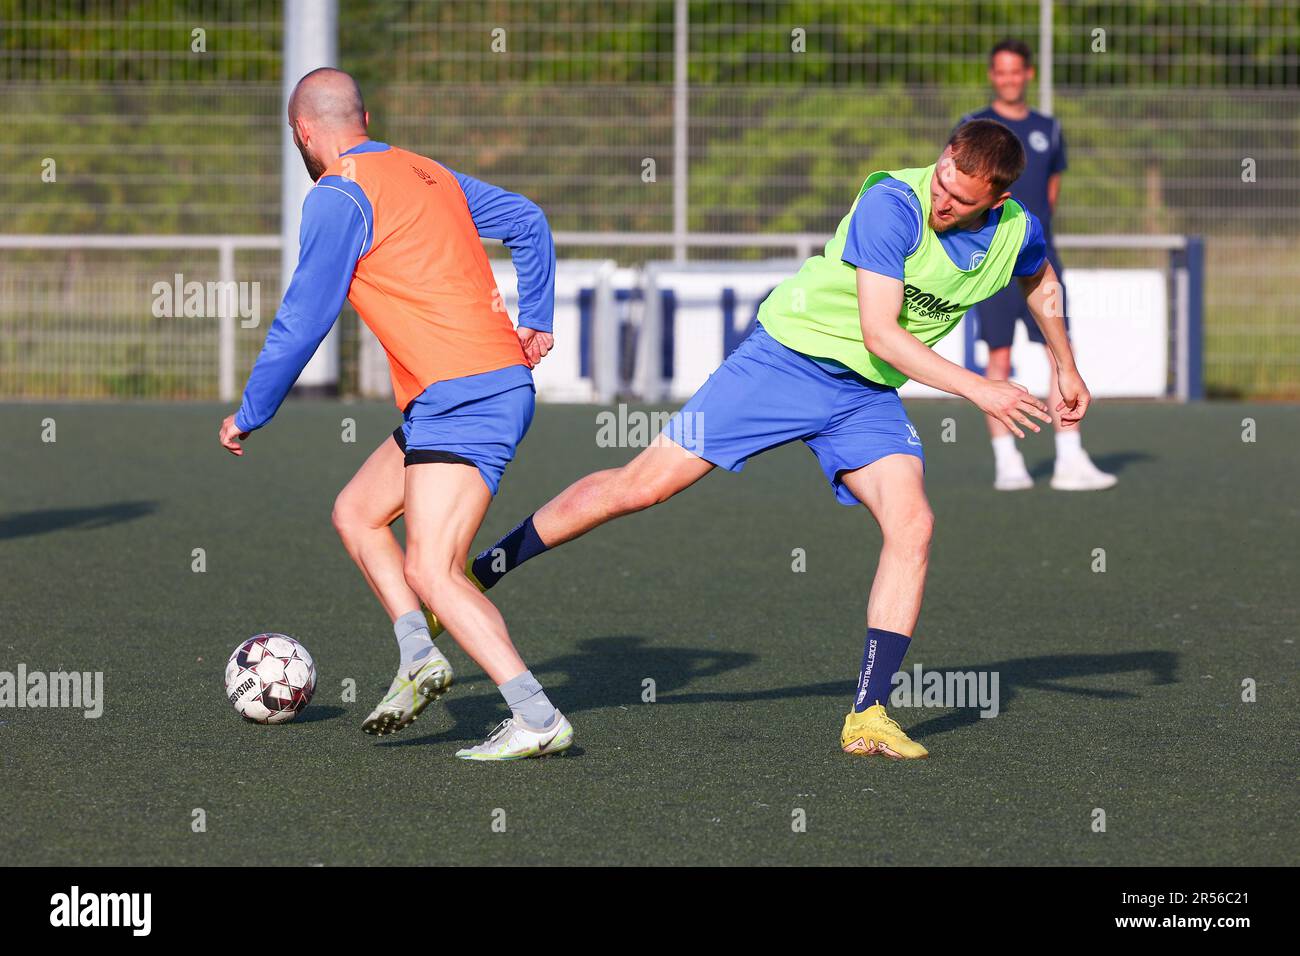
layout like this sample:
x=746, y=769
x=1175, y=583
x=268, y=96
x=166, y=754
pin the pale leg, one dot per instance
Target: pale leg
x=893, y=489
x=363, y=513
x=998, y=370
x=445, y=504
x=653, y=476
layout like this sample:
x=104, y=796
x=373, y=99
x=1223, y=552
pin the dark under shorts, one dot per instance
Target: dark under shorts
x=483, y=432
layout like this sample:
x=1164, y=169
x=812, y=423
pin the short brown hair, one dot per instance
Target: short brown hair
x=987, y=150
x=1019, y=47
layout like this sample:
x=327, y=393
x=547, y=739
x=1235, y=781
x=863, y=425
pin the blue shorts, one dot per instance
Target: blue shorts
x=766, y=394
x=449, y=423
x=998, y=314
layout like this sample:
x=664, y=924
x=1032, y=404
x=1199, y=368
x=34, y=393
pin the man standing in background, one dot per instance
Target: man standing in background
x=1010, y=72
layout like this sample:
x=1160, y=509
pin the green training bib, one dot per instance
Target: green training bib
x=815, y=311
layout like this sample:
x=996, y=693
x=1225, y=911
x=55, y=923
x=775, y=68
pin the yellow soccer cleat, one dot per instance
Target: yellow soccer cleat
x=435, y=627
x=874, y=732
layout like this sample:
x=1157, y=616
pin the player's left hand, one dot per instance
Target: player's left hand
x=536, y=344
x=1075, y=397
x=230, y=436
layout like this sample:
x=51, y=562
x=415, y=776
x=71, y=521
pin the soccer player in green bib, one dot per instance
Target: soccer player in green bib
x=833, y=343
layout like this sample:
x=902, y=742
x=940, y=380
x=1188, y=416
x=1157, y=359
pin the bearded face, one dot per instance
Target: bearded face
x=315, y=168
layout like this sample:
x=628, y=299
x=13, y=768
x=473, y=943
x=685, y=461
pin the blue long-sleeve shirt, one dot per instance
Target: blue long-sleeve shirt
x=337, y=230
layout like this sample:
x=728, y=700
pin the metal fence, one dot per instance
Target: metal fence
x=1180, y=117
x=204, y=324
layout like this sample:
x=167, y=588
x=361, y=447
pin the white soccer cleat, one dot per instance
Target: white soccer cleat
x=1078, y=473
x=514, y=741
x=412, y=690
x=1012, y=475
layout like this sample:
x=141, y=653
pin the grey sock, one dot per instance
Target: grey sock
x=413, y=640
x=527, y=701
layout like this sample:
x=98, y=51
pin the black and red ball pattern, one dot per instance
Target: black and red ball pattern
x=270, y=678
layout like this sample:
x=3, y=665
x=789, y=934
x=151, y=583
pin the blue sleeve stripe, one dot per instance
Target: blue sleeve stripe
x=358, y=197
x=1033, y=251
x=909, y=198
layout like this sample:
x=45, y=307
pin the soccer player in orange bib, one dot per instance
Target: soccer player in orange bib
x=397, y=235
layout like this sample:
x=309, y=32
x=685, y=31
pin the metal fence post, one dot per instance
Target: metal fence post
x=1045, y=55
x=681, y=107
x=1195, y=330
x=226, y=322
x=310, y=41
x=604, y=335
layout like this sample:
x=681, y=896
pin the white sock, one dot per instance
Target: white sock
x=1004, y=450
x=1069, y=444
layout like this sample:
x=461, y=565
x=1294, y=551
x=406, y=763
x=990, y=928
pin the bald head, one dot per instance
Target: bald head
x=329, y=99
x=326, y=117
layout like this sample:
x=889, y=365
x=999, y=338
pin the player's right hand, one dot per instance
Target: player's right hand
x=536, y=344
x=230, y=436
x=1011, y=404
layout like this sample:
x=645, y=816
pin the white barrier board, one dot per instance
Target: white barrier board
x=559, y=377
x=1119, y=326
x=699, y=322
x=1119, y=323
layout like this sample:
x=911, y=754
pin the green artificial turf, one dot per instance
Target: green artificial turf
x=1119, y=690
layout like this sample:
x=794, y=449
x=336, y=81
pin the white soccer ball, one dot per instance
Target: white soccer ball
x=270, y=678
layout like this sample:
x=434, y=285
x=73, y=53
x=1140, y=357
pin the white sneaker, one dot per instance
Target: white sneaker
x=1012, y=475
x=515, y=741
x=412, y=690
x=1078, y=473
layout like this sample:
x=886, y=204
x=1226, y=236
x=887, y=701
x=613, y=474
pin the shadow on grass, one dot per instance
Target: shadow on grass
x=1114, y=463
x=319, y=712
x=85, y=519
x=1053, y=672
x=609, y=670
x=606, y=672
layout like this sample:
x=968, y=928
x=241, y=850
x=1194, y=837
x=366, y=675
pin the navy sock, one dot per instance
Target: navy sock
x=507, y=554
x=882, y=658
